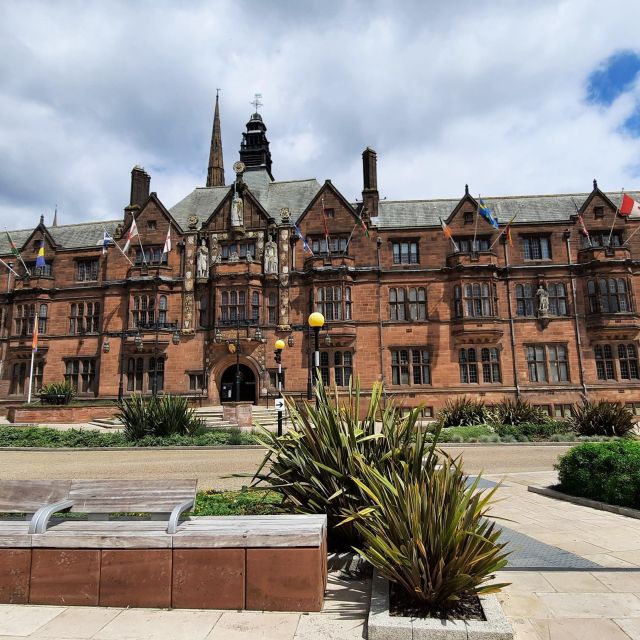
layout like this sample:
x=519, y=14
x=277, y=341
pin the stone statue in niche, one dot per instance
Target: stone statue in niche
x=202, y=261
x=271, y=257
x=237, y=211
x=215, y=251
x=234, y=257
x=543, y=300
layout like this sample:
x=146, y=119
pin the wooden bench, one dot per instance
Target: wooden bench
x=253, y=562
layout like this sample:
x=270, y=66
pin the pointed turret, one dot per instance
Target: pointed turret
x=215, y=173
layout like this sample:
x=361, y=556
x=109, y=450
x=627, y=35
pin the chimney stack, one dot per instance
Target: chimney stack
x=370, y=196
x=140, y=182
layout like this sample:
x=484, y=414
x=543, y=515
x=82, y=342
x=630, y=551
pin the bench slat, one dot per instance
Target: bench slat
x=134, y=495
x=27, y=496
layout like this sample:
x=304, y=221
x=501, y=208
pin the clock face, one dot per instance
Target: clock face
x=238, y=167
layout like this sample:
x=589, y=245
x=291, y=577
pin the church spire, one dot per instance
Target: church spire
x=215, y=173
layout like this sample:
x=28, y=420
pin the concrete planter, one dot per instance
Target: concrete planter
x=382, y=626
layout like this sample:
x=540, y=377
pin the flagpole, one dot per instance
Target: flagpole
x=349, y=240
x=475, y=228
x=580, y=219
x=117, y=245
x=144, y=257
x=33, y=356
x=8, y=267
x=13, y=246
x=615, y=217
x=502, y=232
x=631, y=236
x=326, y=228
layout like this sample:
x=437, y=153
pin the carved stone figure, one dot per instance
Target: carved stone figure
x=215, y=251
x=271, y=257
x=237, y=217
x=202, y=262
x=234, y=257
x=543, y=301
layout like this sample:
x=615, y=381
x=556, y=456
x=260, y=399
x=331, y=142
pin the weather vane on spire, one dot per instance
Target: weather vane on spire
x=256, y=101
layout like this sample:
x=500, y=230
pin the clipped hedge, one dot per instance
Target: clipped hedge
x=79, y=438
x=536, y=431
x=608, y=472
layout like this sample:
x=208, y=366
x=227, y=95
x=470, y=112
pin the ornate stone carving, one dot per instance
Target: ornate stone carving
x=234, y=257
x=192, y=221
x=271, y=257
x=543, y=301
x=237, y=211
x=202, y=261
x=215, y=250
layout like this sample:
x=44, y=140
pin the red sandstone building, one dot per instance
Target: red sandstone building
x=551, y=317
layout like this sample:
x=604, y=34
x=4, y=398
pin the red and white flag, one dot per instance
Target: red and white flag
x=583, y=229
x=133, y=232
x=629, y=207
x=167, y=243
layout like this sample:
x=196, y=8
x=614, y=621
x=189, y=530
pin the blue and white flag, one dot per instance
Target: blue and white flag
x=305, y=244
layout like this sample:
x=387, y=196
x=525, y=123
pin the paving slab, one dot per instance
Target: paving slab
x=250, y=625
x=159, y=624
x=631, y=626
x=77, y=622
x=590, y=605
x=22, y=620
x=315, y=626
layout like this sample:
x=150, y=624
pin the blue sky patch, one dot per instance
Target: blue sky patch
x=632, y=124
x=612, y=78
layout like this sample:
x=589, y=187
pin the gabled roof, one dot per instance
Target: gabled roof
x=202, y=202
x=272, y=196
x=68, y=236
x=529, y=209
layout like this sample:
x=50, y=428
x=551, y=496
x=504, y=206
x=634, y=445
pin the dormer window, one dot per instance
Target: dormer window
x=152, y=224
x=468, y=217
x=598, y=212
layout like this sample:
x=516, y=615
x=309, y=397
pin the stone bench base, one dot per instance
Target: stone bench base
x=263, y=579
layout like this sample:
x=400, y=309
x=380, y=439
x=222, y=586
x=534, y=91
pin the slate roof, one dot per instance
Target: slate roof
x=272, y=195
x=69, y=236
x=529, y=209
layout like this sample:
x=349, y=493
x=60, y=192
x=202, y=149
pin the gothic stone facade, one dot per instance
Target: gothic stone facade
x=551, y=317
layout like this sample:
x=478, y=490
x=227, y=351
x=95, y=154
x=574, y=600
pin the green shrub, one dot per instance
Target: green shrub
x=608, y=472
x=238, y=503
x=462, y=412
x=534, y=430
x=426, y=528
x=158, y=416
x=313, y=465
x=451, y=434
x=515, y=412
x=53, y=438
x=57, y=393
x=602, y=418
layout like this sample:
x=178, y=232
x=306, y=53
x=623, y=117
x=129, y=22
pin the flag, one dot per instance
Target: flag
x=305, y=244
x=106, y=239
x=34, y=342
x=14, y=249
x=583, y=229
x=363, y=224
x=487, y=214
x=445, y=229
x=507, y=233
x=40, y=261
x=629, y=207
x=133, y=232
x=167, y=243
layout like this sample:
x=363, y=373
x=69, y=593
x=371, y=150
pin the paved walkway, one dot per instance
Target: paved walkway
x=600, y=601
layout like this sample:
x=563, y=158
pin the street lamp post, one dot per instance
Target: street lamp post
x=316, y=322
x=278, y=355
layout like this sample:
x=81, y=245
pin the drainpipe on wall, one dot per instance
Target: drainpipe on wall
x=380, y=334
x=576, y=318
x=511, y=323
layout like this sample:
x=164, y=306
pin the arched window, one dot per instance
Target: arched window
x=557, y=299
x=233, y=306
x=525, y=300
x=255, y=306
x=162, y=310
x=480, y=300
x=628, y=356
x=332, y=304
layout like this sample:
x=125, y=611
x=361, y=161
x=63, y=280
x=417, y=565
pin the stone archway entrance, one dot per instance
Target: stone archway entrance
x=247, y=384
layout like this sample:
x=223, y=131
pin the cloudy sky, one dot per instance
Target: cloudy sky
x=519, y=96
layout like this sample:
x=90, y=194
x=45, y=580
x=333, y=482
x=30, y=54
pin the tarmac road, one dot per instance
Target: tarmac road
x=215, y=468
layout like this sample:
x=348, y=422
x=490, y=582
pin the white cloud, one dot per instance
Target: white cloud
x=486, y=93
